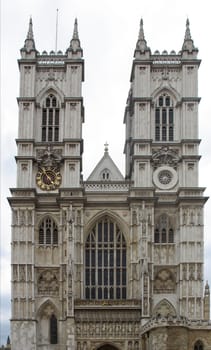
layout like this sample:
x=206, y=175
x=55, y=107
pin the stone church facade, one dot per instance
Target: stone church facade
x=113, y=261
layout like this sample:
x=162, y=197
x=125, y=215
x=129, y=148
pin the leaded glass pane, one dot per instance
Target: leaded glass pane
x=157, y=236
x=100, y=294
x=105, y=258
x=92, y=277
x=157, y=116
x=163, y=236
x=44, y=134
x=160, y=101
x=99, y=276
x=111, y=258
x=99, y=257
x=171, y=236
x=53, y=330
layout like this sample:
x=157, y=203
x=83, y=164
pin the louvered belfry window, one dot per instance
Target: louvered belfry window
x=50, y=119
x=164, y=119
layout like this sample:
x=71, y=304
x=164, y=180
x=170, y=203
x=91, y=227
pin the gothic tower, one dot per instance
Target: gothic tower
x=49, y=160
x=112, y=262
x=162, y=161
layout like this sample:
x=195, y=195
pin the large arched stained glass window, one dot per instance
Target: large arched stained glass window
x=105, y=262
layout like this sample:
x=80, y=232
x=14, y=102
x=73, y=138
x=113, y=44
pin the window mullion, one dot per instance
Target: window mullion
x=53, y=125
x=47, y=124
x=115, y=261
x=96, y=267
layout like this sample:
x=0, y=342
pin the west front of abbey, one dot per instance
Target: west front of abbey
x=111, y=262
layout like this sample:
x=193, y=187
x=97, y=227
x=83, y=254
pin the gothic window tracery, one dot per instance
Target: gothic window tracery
x=164, y=118
x=48, y=232
x=164, y=232
x=105, y=262
x=50, y=119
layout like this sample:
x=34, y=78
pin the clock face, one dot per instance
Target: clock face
x=48, y=178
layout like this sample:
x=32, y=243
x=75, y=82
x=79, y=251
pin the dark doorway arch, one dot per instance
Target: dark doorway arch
x=107, y=347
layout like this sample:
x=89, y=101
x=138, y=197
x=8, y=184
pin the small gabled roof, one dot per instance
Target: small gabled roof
x=106, y=169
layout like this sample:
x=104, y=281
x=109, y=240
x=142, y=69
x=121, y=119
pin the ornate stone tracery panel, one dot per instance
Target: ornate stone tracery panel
x=165, y=156
x=164, y=309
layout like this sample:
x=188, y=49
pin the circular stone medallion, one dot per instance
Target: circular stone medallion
x=165, y=177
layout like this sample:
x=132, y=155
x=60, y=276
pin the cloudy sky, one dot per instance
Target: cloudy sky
x=108, y=31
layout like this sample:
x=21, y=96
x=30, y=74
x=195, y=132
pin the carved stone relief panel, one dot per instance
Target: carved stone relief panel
x=165, y=281
x=164, y=254
x=101, y=324
x=192, y=216
x=48, y=282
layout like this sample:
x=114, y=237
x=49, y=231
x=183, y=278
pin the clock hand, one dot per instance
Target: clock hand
x=48, y=177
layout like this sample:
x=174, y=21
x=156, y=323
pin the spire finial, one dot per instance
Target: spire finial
x=187, y=32
x=29, y=44
x=75, y=31
x=75, y=46
x=106, y=147
x=141, y=45
x=141, y=30
x=188, y=44
x=30, y=35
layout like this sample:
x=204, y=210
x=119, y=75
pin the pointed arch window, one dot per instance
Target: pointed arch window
x=198, y=345
x=164, y=232
x=105, y=175
x=164, y=119
x=53, y=330
x=105, y=262
x=48, y=232
x=50, y=119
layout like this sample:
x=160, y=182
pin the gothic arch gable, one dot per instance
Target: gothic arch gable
x=47, y=307
x=167, y=89
x=46, y=216
x=107, y=213
x=164, y=309
x=45, y=314
x=47, y=90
